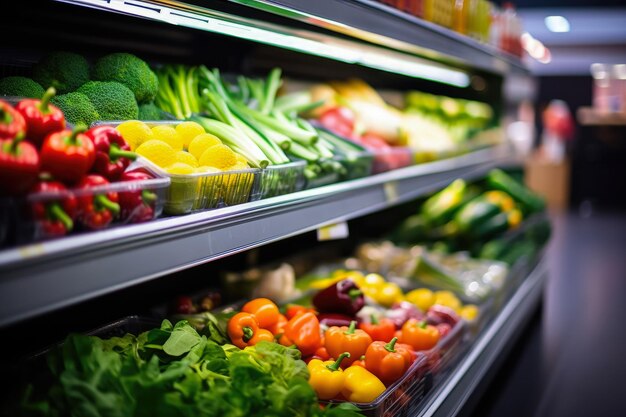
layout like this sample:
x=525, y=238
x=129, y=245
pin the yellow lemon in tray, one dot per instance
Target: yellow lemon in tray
x=159, y=153
x=135, y=132
x=180, y=169
x=238, y=166
x=201, y=143
x=218, y=156
x=241, y=158
x=207, y=169
x=186, y=158
x=168, y=134
x=188, y=131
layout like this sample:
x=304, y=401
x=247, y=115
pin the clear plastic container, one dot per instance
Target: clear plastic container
x=386, y=159
x=277, y=180
x=402, y=398
x=24, y=220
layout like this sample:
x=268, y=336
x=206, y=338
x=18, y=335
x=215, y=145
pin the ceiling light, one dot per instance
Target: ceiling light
x=557, y=24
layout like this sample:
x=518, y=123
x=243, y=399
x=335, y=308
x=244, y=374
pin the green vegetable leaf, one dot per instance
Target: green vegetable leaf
x=182, y=340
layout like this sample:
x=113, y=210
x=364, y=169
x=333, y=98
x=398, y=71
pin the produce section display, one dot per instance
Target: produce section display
x=482, y=218
x=56, y=180
x=370, y=335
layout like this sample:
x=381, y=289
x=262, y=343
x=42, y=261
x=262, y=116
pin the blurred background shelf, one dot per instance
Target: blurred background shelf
x=588, y=116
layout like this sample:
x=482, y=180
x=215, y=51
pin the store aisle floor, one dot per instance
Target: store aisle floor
x=570, y=360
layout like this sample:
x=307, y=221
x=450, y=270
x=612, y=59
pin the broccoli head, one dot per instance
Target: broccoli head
x=131, y=71
x=150, y=111
x=112, y=100
x=20, y=87
x=65, y=71
x=77, y=108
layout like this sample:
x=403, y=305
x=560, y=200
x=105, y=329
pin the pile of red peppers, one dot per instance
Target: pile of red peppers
x=66, y=172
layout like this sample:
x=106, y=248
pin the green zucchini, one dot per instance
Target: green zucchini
x=438, y=208
x=491, y=226
x=474, y=213
x=530, y=201
x=412, y=230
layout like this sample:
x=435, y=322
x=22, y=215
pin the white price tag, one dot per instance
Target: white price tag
x=333, y=231
x=391, y=191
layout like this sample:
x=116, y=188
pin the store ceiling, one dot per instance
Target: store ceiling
x=597, y=34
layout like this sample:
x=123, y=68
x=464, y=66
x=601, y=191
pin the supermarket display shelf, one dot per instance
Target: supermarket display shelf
x=588, y=116
x=481, y=360
x=396, y=29
x=402, y=44
x=63, y=272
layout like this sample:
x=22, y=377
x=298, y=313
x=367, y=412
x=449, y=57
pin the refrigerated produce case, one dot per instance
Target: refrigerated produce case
x=79, y=282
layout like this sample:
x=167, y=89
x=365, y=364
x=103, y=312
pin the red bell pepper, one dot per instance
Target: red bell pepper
x=379, y=329
x=68, y=155
x=97, y=211
x=54, y=217
x=340, y=120
x=113, y=154
x=11, y=121
x=19, y=165
x=42, y=118
x=137, y=206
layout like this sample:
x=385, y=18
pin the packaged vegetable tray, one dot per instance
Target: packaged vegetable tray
x=27, y=219
x=276, y=180
x=402, y=398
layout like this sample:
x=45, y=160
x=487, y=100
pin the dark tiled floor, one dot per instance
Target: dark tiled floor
x=571, y=360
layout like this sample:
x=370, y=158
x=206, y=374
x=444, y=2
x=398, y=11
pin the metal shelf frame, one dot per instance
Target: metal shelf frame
x=60, y=273
x=472, y=373
x=384, y=25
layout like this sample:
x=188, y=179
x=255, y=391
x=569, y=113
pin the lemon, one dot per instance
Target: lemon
x=158, y=152
x=168, y=135
x=135, y=132
x=186, y=158
x=180, y=169
x=187, y=131
x=241, y=158
x=448, y=299
x=201, y=143
x=238, y=166
x=423, y=298
x=218, y=156
x=207, y=169
x=469, y=312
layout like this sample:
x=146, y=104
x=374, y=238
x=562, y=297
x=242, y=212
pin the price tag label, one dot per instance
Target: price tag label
x=32, y=251
x=391, y=191
x=333, y=232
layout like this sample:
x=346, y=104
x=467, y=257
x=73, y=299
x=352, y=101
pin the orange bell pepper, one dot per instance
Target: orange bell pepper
x=265, y=311
x=293, y=310
x=278, y=327
x=347, y=339
x=379, y=329
x=360, y=362
x=243, y=330
x=419, y=335
x=389, y=361
x=303, y=330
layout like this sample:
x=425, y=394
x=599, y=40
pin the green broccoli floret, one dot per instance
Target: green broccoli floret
x=77, y=108
x=131, y=71
x=20, y=87
x=150, y=111
x=112, y=100
x=65, y=71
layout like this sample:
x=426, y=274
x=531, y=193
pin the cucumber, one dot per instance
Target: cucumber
x=493, y=249
x=518, y=250
x=474, y=213
x=492, y=226
x=530, y=201
x=412, y=230
x=438, y=209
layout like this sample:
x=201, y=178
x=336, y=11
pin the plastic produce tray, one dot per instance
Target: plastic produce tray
x=20, y=223
x=277, y=180
x=387, y=159
x=402, y=398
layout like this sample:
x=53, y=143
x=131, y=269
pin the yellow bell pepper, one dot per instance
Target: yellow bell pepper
x=327, y=378
x=423, y=298
x=361, y=386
